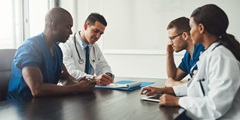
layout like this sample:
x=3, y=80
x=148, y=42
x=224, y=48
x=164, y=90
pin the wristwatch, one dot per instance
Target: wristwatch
x=110, y=74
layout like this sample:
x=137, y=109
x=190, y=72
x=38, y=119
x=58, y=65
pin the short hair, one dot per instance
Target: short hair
x=93, y=17
x=56, y=14
x=181, y=24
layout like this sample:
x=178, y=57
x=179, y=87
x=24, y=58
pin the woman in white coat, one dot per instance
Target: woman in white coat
x=213, y=93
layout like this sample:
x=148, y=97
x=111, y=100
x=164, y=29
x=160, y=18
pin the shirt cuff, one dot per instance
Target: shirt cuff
x=110, y=74
x=89, y=76
x=180, y=90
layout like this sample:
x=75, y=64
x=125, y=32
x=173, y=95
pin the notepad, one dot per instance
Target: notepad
x=127, y=85
x=152, y=98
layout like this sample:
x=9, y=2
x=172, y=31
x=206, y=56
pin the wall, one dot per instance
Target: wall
x=135, y=39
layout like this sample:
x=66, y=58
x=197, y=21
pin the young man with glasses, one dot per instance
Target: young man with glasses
x=180, y=39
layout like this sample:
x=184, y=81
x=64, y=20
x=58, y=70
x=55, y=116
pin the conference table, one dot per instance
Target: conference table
x=101, y=104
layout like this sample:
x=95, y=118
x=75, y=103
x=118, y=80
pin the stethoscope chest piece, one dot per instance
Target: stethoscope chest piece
x=80, y=61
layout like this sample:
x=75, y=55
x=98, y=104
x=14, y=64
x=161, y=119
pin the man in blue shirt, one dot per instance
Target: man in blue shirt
x=38, y=62
x=180, y=39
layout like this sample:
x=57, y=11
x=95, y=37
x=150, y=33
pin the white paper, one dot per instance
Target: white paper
x=117, y=85
x=153, y=98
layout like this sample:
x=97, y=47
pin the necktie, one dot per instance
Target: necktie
x=87, y=65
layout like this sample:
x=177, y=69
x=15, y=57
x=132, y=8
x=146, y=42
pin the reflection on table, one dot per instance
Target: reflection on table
x=99, y=105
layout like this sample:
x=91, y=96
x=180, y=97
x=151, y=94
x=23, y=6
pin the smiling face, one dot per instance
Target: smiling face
x=176, y=40
x=93, y=32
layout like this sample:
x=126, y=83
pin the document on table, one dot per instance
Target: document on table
x=118, y=85
x=127, y=85
x=152, y=98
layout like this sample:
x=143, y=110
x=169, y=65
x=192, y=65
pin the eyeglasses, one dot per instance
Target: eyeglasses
x=171, y=38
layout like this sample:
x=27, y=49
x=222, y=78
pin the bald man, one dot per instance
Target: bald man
x=38, y=62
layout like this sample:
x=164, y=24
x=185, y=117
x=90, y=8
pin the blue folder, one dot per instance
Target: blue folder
x=126, y=82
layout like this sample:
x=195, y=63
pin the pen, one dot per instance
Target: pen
x=144, y=92
x=115, y=83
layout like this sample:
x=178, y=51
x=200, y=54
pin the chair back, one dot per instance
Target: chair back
x=6, y=59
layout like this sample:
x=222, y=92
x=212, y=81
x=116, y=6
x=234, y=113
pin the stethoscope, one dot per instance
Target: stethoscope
x=201, y=80
x=80, y=60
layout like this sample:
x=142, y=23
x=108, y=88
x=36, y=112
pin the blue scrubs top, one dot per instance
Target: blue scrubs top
x=188, y=62
x=34, y=52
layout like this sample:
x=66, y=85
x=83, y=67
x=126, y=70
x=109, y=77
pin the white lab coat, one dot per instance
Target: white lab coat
x=221, y=73
x=70, y=58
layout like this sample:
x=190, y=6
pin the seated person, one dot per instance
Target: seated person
x=91, y=62
x=180, y=39
x=38, y=66
x=214, y=91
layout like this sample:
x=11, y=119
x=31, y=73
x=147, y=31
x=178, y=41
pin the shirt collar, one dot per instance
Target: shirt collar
x=82, y=43
x=212, y=46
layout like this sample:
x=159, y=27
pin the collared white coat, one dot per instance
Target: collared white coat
x=219, y=74
x=70, y=58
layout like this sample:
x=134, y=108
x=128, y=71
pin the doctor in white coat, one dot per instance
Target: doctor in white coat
x=74, y=52
x=214, y=92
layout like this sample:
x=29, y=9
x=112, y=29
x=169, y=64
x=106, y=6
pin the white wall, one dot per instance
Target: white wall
x=135, y=39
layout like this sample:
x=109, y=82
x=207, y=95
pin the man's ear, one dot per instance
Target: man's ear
x=85, y=25
x=54, y=26
x=186, y=35
x=201, y=28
